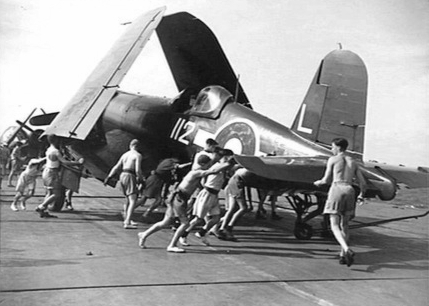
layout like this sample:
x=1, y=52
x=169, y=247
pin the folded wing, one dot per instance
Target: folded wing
x=195, y=56
x=80, y=115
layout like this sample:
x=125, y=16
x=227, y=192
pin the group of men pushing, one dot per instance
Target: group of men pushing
x=208, y=175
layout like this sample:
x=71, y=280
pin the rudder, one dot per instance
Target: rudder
x=335, y=104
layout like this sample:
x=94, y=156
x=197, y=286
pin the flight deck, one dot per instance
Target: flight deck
x=86, y=257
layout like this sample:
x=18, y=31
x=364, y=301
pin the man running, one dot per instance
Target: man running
x=341, y=202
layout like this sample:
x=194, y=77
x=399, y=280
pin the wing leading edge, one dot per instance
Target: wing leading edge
x=82, y=112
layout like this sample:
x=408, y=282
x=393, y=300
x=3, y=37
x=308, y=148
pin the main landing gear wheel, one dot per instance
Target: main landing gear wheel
x=303, y=231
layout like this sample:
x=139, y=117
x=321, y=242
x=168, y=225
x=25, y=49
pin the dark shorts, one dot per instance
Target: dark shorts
x=179, y=202
x=153, y=186
x=128, y=183
x=51, y=178
x=15, y=165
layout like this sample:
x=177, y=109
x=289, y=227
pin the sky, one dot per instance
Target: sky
x=49, y=47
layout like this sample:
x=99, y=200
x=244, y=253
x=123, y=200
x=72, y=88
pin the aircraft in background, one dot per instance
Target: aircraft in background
x=29, y=137
x=101, y=119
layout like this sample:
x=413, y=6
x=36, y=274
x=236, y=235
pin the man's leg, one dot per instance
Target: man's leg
x=51, y=196
x=344, y=226
x=132, y=202
x=25, y=197
x=229, y=214
x=342, y=240
x=166, y=221
x=10, y=178
x=15, y=201
x=153, y=206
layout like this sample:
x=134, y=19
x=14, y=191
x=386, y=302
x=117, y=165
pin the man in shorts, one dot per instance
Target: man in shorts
x=51, y=174
x=207, y=202
x=177, y=205
x=234, y=193
x=341, y=201
x=16, y=161
x=27, y=183
x=130, y=165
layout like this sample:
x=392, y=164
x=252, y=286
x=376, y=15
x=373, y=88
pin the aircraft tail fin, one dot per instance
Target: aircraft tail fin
x=79, y=116
x=335, y=104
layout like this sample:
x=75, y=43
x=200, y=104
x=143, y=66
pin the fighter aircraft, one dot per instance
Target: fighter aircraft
x=101, y=119
x=29, y=137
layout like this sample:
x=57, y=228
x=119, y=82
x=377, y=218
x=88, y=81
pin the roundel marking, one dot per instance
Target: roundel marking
x=239, y=137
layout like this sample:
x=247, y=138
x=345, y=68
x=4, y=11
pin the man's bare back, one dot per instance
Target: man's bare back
x=131, y=160
x=343, y=168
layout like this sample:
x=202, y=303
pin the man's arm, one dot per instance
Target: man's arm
x=362, y=182
x=113, y=171
x=138, y=165
x=69, y=162
x=328, y=174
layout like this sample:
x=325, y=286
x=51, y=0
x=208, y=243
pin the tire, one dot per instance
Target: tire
x=303, y=231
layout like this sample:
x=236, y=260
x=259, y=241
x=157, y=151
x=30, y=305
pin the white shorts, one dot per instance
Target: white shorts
x=206, y=204
x=25, y=183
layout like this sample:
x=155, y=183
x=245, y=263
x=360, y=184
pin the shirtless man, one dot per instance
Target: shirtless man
x=131, y=175
x=341, y=202
x=207, y=203
x=177, y=205
x=16, y=161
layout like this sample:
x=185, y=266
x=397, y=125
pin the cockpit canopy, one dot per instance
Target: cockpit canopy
x=210, y=101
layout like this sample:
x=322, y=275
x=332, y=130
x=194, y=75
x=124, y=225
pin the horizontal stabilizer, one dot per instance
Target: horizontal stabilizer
x=411, y=177
x=195, y=56
x=79, y=116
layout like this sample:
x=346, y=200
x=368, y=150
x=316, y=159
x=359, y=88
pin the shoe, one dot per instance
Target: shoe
x=69, y=207
x=203, y=238
x=175, y=250
x=142, y=240
x=349, y=257
x=129, y=226
x=230, y=236
x=184, y=241
x=221, y=235
x=342, y=260
x=10, y=185
x=45, y=214
x=40, y=211
x=275, y=217
x=13, y=207
x=133, y=223
x=23, y=207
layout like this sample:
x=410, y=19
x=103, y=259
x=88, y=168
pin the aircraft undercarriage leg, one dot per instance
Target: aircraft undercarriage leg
x=301, y=205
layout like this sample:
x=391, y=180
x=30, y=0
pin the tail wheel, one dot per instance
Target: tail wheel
x=303, y=231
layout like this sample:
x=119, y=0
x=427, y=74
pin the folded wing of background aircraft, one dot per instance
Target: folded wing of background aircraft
x=101, y=119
